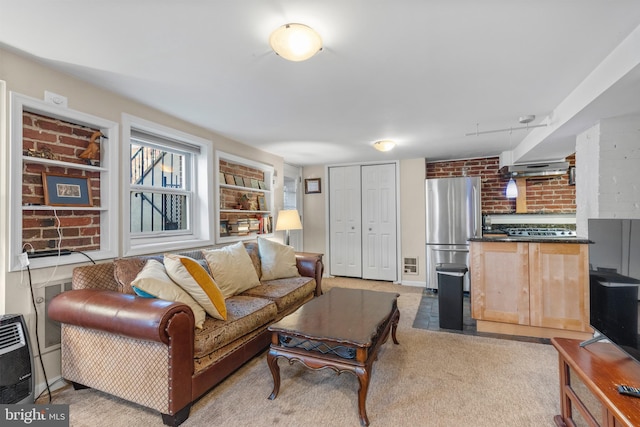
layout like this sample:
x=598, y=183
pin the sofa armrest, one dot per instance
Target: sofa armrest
x=310, y=265
x=118, y=313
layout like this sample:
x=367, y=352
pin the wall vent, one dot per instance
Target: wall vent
x=48, y=329
x=410, y=265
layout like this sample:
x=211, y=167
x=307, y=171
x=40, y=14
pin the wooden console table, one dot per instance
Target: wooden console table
x=589, y=377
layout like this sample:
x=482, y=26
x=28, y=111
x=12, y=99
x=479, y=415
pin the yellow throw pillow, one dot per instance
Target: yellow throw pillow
x=232, y=269
x=278, y=260
x=193, y=278
x=153, y=279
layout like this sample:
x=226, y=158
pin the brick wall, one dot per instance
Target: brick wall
x=62, y=141
x=548, y=195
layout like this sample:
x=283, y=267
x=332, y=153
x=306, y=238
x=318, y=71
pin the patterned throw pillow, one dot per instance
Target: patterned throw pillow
x=194, y=279
x=154, y=280
x=232, y=269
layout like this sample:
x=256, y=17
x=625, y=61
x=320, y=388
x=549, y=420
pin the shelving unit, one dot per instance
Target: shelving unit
x=238, y=211
x=90, y=229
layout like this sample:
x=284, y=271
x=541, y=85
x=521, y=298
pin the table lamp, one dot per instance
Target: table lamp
x=288, y=220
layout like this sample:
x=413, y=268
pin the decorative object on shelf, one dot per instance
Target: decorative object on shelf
x=229, y=179
x=384, y=145
x=221, y=177
x=238, y=180
x=224, y=227
x=63, y=190
x=254, y=183
x=262, y=203
x=92, y=152
x=247, y=203
x=288, y=220
x=262, y=185
x=44, y=153
x=295, y=42
x=312, y=185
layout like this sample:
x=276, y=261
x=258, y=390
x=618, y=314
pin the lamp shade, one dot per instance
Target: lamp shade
x=512, y=189
x=384, y=145
x=295, y=42
x=288, y=220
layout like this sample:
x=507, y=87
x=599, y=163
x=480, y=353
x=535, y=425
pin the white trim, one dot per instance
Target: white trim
x=109, y=199
x=201, y=229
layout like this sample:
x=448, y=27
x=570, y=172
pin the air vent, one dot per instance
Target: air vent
x=11, y=337
x=410, y=265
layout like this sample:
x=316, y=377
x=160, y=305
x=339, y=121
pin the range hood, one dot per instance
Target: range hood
x=535, y=169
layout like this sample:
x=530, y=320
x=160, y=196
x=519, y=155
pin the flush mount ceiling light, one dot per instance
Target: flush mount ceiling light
x=295, y=42
x=385, y=145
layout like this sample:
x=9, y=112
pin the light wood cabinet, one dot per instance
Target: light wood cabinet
x=531, y=289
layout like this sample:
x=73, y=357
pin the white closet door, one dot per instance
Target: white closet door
x=345, y=221
x=379, y=259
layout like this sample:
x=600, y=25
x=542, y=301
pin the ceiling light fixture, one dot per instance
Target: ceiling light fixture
x=525, y=120
x=512, y=189
x=295, y=42
x=384, y=145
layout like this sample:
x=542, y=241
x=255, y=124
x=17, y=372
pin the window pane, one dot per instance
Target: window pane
x=158, y=212
x=154, y=167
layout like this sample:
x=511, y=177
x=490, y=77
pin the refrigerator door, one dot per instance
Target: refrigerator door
x=453, y=210
x=446, y=254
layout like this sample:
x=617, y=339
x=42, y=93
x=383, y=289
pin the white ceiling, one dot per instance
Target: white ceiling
x=421, y=72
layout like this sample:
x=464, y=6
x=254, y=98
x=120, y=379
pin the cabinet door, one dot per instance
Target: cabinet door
x=558, y=281
x=345, y=221
x=500, y=282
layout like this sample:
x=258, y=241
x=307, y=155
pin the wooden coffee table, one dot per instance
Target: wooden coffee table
x=342, y=330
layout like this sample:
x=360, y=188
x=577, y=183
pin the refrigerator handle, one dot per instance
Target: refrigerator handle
x=451, y=250
x=477, y=211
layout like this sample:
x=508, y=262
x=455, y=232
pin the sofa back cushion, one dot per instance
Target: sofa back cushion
x=125, y=271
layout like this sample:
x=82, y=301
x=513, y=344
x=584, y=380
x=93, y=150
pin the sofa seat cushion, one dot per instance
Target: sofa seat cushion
x=244, y=314
x=286, y=293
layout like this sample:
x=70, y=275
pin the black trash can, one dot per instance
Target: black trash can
x=450, y=292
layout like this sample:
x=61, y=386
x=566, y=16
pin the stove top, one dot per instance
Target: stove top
x=541, y=232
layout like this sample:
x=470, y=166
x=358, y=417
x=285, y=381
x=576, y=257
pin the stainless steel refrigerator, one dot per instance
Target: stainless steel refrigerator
x=453, y=216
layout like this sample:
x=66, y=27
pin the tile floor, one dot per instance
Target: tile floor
x=428, y=318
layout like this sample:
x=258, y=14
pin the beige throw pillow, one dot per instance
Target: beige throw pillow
x=153, y=279
x=232, y=269
x=278, y=260
x=193, y=278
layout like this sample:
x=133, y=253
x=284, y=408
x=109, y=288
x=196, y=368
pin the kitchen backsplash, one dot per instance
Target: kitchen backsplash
x=544, y=195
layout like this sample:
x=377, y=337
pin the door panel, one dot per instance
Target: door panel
x=379, y=226
x=345, y=225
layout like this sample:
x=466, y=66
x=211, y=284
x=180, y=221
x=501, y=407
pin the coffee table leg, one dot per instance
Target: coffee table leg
x=394, y=326
x=272, y=361
x=363, y=378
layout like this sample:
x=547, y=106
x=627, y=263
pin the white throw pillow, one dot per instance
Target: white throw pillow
x=193, y=278
x=153, y=279
x=278, y=260
x=232, y=269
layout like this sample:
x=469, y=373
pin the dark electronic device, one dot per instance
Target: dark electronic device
x=16, y=362
x=614, y=276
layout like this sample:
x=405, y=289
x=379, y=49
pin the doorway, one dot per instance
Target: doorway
x=292, y=199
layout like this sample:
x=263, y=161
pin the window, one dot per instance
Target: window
x=166, y=194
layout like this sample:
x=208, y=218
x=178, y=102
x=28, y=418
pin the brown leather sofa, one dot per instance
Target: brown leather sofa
x=149, y=352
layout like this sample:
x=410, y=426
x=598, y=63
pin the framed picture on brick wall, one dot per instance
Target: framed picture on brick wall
x=64, y=190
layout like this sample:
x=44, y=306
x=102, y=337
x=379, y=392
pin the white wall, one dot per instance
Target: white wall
x=608, y=174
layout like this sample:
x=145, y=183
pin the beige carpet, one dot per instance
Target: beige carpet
x=430, y=379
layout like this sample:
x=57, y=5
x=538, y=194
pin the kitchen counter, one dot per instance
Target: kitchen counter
x=494, y=237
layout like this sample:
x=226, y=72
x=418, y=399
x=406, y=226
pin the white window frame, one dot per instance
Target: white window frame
x=200, y=230
x=108, y=180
